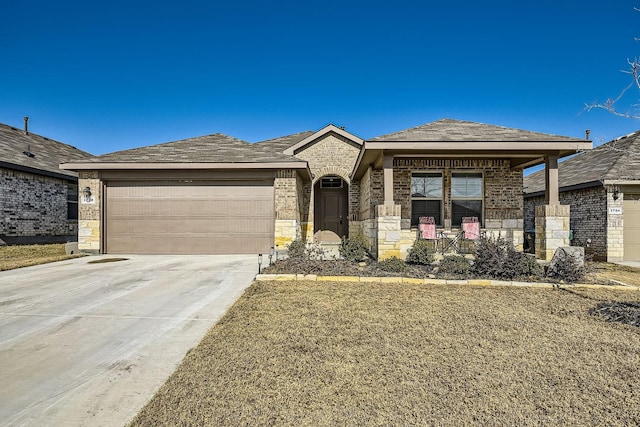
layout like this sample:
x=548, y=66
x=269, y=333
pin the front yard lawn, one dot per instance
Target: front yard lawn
x=26, y=255
x=324, y=354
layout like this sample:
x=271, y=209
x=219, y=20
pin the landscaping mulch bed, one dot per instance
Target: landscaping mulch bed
x=353, y=354
x=623, y=312
x=342, y=267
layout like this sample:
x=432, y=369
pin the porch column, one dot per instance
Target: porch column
x=551, y=193
x=552, y=218
x=388, y=179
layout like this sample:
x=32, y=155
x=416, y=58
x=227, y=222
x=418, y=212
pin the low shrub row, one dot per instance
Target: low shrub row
x=492, y=259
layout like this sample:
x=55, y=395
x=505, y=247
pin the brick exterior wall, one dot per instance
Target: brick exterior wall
x=588, y=218
x=331, y=154
x=502, y=188
x=33, y=209
x=288, y=190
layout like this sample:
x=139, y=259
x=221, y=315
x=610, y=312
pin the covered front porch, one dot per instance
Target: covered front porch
x=408, y=176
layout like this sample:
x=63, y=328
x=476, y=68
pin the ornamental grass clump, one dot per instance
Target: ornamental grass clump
x=499, y=259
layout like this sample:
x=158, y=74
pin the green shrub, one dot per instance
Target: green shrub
x=454, y=264
x=297, y=249
x=393, y=265
x=354, y=248
x=420, y=253
x=498, y=259
x=568, y=269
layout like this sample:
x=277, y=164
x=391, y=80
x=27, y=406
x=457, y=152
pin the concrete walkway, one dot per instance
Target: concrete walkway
x=635, y=264
x=89, y=344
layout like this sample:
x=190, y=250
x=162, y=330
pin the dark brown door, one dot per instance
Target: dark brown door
x=332, y=215
x=331, y=210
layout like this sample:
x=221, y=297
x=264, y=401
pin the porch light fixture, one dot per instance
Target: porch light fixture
x=616, y=194
x=87, y=193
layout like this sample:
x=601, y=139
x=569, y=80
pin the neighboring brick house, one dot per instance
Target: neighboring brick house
x=602, y=186
x=38, y=200
x=217, y=194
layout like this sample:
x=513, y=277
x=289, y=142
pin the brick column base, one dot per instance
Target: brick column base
x=552, y=230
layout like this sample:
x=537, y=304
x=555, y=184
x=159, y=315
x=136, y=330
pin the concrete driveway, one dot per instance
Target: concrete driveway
x=89, y=344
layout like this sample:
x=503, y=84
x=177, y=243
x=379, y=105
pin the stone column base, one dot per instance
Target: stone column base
x=552, y=229
x=389, y=233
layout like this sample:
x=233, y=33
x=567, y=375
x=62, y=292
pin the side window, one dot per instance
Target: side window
x=426, y=197
x=72, y=201
x=466, y=197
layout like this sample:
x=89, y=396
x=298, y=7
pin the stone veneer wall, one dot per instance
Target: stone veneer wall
x=288, y=190
x=33, y=209
x=615, y=226
x=588, y=217
x=552, y=229
x=89, y=213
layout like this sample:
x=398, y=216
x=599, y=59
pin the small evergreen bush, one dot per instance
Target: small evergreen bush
x=568, y=269
x=297, y=249
x=393, y=265
x=454, y=264
x=420, y=253
x=354, y=248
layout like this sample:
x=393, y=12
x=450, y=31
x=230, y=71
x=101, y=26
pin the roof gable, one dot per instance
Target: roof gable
x=449, y=130
x=322, y=132
x=35, y=153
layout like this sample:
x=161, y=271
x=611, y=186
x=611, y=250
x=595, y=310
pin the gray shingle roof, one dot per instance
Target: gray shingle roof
x=47, y=154
x=458, y=130
x=215, y=148
x=283, y=142
x=616, y=160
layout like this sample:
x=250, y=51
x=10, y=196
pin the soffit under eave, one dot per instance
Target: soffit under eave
x=518, y=159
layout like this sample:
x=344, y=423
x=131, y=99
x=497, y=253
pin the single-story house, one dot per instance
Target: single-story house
x=38, y=200
x=218, y=194
x=603, y=188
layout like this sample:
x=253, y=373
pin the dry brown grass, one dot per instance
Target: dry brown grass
x=622, y=273
x=324, y=354
x=24, y=256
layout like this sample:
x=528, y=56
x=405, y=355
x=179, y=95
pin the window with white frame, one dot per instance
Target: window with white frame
x=426, y=196
x=466, y=196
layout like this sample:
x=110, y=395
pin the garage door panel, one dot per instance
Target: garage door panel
x=185, y=207
x=631, y=211
x=211, y=226
x=183, y=217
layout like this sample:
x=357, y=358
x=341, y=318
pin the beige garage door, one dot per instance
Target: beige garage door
x=189, y=217
x=631, y=212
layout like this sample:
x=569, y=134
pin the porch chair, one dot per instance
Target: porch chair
x=427, y=230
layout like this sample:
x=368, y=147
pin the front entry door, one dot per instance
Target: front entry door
x=331, y=212
x=332, y=219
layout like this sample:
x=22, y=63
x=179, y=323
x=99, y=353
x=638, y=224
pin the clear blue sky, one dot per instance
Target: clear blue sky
x=112, y=75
